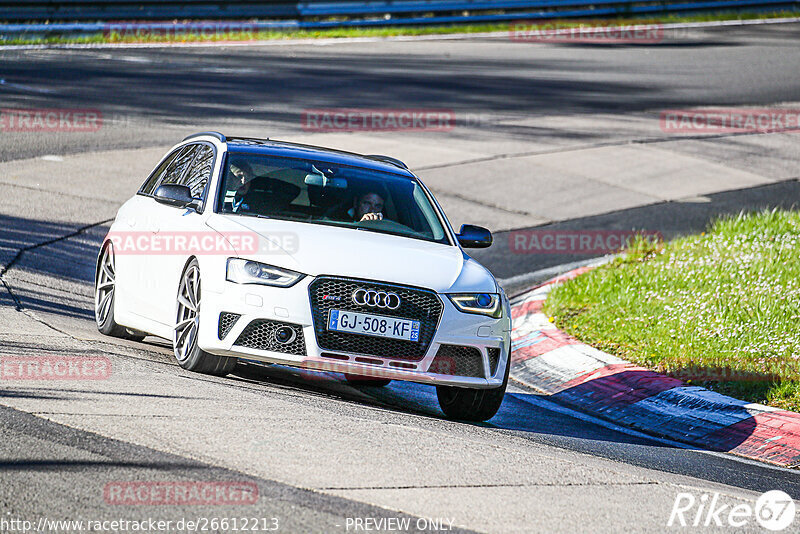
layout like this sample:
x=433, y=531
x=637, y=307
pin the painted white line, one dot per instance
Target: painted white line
x=22, y=87
x=230, y=70
x=756, y=408
x=347, y=40
x=716, y=23
x=133, y=59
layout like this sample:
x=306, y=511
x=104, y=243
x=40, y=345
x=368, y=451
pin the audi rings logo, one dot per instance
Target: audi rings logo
x=376, y=299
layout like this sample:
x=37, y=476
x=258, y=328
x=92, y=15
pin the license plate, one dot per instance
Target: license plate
x=373, y=325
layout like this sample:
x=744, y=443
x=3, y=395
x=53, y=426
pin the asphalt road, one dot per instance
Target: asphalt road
x=482, y=80
x=555, y=124
x=323, y=453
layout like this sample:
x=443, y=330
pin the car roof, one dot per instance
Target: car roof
x=273, y=147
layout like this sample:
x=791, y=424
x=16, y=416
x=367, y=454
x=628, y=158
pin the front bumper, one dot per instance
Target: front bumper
x=484, y=340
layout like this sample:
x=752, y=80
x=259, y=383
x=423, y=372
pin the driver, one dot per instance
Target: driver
x=241, y=177
x=367, y=207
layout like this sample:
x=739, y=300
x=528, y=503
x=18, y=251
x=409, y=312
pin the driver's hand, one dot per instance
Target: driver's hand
x=372, y=217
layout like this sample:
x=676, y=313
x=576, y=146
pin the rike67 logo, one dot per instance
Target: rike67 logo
x=774, y=510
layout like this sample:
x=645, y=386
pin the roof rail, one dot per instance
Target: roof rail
x=388, y=159
x=252, y=139
x=201, y=134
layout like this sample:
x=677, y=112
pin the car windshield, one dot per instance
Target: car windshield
x=325, y=193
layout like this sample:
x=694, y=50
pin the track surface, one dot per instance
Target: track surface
x=321, y=451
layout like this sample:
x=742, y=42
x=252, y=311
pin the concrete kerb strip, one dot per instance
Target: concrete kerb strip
x=603, y=385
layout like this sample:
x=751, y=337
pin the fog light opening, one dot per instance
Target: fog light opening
x=285, y=334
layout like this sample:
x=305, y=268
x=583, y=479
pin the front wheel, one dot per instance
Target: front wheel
x=467, y=404
x=187, y=328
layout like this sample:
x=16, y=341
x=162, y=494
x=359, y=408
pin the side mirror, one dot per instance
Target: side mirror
x=179, y=196
x=474, y=236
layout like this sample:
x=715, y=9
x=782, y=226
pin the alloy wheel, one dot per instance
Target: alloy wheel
x=104, y=288
x=188, y=323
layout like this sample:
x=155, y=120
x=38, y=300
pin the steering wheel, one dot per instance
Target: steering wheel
x=388, y=224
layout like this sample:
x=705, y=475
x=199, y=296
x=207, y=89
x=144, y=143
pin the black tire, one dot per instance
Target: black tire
x=465, y=404
x=187, y=325
x=105, y=296
x=358, y=380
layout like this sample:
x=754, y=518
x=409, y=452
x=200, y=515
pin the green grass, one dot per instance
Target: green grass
x=381, y=32
x=720, y=309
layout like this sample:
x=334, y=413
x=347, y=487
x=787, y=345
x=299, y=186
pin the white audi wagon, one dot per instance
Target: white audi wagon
x=274, y=252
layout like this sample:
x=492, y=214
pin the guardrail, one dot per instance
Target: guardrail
x=333, y=13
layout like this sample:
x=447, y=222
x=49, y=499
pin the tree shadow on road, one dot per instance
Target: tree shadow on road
x=45, y=271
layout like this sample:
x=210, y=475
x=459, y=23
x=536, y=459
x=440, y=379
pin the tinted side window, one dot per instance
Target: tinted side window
x=200, y=172
x=178, y=166
x=149, y=186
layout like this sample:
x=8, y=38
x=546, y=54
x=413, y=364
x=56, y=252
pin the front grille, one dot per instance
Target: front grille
x=418, y=304
x=456, y=360
x=494, y=360
x=226, y=322
x=260, y=334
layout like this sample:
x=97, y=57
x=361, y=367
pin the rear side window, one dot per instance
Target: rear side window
x=150, y=185
x=176, y=169
x=200, y=172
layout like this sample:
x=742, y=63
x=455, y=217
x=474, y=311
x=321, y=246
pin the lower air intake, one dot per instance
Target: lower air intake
x=226, y=321
x=494, y=360
x=260, y=334
x=457, y=360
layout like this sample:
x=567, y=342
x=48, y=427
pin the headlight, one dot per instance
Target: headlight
x=480, y=303
x=251, y=272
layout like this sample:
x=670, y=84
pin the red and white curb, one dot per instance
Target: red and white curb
x=603, y=385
